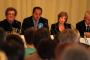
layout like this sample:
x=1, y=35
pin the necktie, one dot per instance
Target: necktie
x=36, y=25
x=88, y=29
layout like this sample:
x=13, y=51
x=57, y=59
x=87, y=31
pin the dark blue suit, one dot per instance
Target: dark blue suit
x=81, y=27
x=28, y=23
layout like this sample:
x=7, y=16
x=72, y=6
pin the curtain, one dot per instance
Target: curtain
x=51, y=8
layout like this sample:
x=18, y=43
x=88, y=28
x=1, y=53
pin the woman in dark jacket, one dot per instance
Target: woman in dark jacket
x=61, y=24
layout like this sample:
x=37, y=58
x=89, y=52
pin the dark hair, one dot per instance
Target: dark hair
x=46, y=48
x=2, y=35
x=4, y=48
x=75, y=52
x=61, y=14
x=37, y=8
x=11, y=9
x=29, y=35
x=40, y=34
x=17, y=45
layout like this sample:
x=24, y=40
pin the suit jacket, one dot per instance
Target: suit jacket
x=8, y=27
x=80, y=26
x=55, y=28
x=28, y=23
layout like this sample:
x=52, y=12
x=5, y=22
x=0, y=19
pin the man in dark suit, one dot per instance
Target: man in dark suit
x=35, y=20
x=10, y=24
x=84, y=26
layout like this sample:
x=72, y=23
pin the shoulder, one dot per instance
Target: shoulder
x=54, y=25
x=67, y=24
x=43, y=19
x=18, y=22
x=27, y=19
x=3, y=21
x=80, y=22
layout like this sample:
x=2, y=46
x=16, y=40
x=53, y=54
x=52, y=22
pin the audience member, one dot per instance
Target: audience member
x=74, y=52
x=15, y=42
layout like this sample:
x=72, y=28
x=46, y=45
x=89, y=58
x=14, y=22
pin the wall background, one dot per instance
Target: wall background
x=74, y=8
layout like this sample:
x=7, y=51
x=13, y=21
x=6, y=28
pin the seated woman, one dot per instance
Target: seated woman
x=61, y=24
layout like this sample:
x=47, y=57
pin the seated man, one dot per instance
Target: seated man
x=35, y=20
x=84, y=26
x=10, y=24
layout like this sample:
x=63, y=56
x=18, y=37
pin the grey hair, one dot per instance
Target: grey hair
x=68, y=36
x=75, y=52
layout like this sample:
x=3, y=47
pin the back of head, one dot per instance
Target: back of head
x=30, y=35
x=68, y=36
x=40, y=34
x=75, y=52
x=46, y=48
x=15, y=42
x=43, y=32
x=8, y=52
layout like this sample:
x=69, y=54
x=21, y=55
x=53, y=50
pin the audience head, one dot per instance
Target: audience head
x=37, y=12
x=46, y=48
x=30, y=35
x=68, y=36
x=87, y=17
x=40, y=34
x=15, y=42
x=62, y=17
x=10, y=14
x=74, y=52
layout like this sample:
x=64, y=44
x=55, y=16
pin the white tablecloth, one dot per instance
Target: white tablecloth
x=85, y=41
